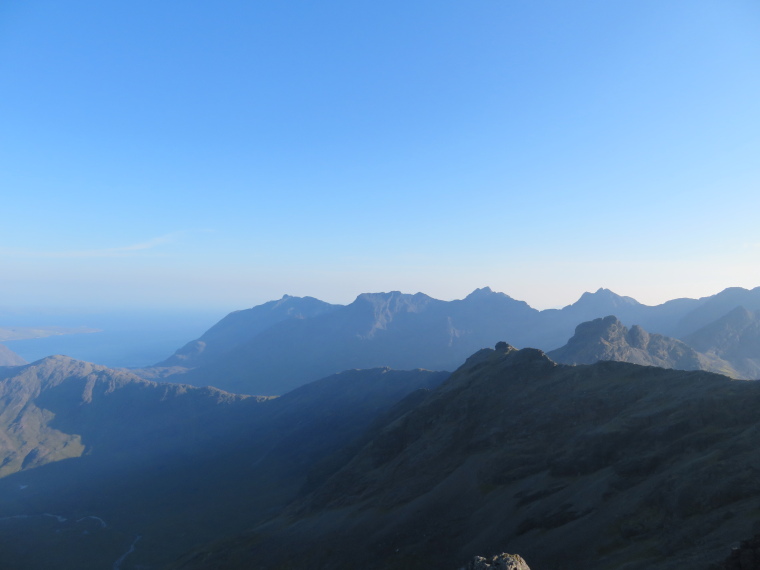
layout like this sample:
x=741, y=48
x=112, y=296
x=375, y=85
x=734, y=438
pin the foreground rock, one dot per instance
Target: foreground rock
x=502, y=561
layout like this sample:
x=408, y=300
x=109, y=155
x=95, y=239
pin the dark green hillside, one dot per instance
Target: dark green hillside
x=601, y=467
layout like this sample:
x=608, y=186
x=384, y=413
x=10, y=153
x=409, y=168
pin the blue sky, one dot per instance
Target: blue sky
x=196, y=154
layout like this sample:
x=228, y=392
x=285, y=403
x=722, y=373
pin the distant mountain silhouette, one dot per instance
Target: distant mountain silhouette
x=735, y=337
x=380, y=329
x=252, y=351
x=609, y=339
x=10, y=358
x=241, y=326
x=716, y=306
x=603, y=466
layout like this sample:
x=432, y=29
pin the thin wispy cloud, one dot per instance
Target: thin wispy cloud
x=123, y=251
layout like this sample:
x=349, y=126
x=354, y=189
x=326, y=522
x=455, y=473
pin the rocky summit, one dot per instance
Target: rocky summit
x=608, y=339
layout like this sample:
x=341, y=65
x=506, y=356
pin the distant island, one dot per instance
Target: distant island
x=26, y=333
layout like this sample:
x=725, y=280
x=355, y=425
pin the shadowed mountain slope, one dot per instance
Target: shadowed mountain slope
x=58, y=408
x=609, y=339
x=121, y=457
x=734, y=337
x=601, y=467
x=10, y=358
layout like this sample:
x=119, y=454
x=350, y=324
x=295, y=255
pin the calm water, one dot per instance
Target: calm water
x=127, y=339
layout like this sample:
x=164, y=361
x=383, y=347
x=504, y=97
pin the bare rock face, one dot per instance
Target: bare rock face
x=501, y=561
x=609, y=339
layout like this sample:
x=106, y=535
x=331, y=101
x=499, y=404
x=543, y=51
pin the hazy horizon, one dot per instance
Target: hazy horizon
x=183, y=157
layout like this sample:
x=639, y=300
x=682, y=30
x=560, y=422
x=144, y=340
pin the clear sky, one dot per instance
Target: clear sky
x=221, y=154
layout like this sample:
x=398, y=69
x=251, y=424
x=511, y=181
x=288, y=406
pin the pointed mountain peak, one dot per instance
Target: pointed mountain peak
x=487, y=293
x=485, y=297
x=481, y=292
x=741, y=313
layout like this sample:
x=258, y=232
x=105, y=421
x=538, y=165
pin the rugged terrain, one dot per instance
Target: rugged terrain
x=96, y=459
x=609, y=339
x=250, y=351
x=603, y=466
x=606, y=465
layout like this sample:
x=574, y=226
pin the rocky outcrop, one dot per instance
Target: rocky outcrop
x=608, y=339
x=502, y=561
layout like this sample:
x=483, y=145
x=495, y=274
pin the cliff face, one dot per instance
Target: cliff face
x=608, y=339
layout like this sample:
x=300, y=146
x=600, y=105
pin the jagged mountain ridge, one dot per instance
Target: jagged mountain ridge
x=416, y=331
x=384, y=329
x=609, y=339
x=599, y=466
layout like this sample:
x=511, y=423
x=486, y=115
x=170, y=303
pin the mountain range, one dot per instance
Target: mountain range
x=608, y=461
x=250, y=351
